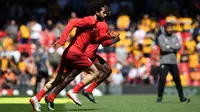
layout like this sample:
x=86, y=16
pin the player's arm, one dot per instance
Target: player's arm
x=81, y=22
x=110, y=41
x=103, y=33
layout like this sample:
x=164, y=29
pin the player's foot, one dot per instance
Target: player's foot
x=159, y=100
x=35, y=103
x=89, y=96
x=74, y=97
x=50, y=105
x=185, y=100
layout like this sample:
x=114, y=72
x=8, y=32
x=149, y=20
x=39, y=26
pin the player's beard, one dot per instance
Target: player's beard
x=99, y=18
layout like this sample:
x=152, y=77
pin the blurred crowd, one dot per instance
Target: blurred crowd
x=28, y=58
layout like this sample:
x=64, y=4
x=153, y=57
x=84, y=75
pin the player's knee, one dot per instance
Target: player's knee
x=107, y=70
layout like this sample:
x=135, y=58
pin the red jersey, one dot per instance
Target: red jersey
x=84, y=33
x=101, y=30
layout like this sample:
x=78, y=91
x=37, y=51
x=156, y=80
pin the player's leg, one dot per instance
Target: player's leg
x=48, y=87
x=161, y=84
x=92, y=75
x=105, y=72
x=175, y=73
x=51, y=97
x=105, y=69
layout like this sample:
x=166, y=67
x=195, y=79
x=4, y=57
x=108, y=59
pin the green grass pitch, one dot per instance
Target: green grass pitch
x=110, y=103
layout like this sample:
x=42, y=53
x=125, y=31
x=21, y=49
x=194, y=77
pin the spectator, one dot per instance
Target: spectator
x=23, y=81
x=31, y=67
x=155, y=66
x=58, y=30
x=31, y=70
x=190, y=45
x=43, y=66
x=125, y=70
x=121, y=53
x=146, y=21
x=46, y=38
x=117, y=78
x=8, y=44
x=4, y=64
x=73, y=16
x=53, y=58
x=184, y=57
x=25, y=34
x=35, y=28
x=143, y=75
x=132, y=75
x=193, y=61
x=22, y=65
x=196, y=30
x=147, y=46
x=50, y=25
x=12, y=30
x=9, y=79
x=139, y=35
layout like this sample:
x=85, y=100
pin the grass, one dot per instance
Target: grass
x=114, y=103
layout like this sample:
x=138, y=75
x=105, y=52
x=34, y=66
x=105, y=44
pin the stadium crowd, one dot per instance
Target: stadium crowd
x=26, y=50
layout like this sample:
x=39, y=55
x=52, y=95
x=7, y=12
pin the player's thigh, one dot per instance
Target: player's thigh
x=58, y=79
x=92, y=70
x=72, y=75
x=99, y=62
x=104, y=64
x=81, y=62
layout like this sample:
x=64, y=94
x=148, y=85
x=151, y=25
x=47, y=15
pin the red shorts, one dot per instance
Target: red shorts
x=72, y=58
x=96, y=58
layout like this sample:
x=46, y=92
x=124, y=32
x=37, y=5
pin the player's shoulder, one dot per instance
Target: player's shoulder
x=90, y=19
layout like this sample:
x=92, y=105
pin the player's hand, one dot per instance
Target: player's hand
x=57, y=45
x=114, y=34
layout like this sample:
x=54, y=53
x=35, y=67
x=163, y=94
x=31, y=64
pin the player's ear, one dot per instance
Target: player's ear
x=97, y=12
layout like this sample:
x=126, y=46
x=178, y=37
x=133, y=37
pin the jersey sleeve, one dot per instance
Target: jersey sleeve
x=103, y=33
x=81, y=22
x=110, y=41
x=107, y=42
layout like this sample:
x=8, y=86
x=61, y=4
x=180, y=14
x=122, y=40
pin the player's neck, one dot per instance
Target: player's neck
x=95, y=16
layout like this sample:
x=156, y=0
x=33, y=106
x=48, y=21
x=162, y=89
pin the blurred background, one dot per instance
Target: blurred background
x=28, y=29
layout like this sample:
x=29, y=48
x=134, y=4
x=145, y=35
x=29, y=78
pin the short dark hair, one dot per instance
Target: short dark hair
x=94, y=7
x=168, y=24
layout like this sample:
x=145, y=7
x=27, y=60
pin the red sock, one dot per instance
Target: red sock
x=40, y=94
x=79, y=86
x=91, y=87
x=51, y=97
